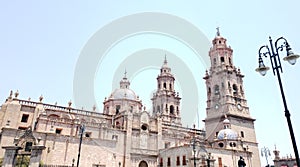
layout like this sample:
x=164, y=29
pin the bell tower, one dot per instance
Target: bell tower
x=165, y=101
x=226, y=96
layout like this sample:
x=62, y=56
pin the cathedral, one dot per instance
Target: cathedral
x=125, y=134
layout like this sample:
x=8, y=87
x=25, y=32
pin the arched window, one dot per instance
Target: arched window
x=209, y=90
x=143, y=164
x=28, y=146
x=169, y=161
x=118, y=107
x=170, y=86
x=171, y=109
x=131, y=108
x=235, y=89
x=178, y=161
x=118, y=125
x=158, y=109
x=184, y=161
x=161, y=162
x=217, y=90
x=242, y=134
x=222, y=60
x=165, y=85
x=232, y=144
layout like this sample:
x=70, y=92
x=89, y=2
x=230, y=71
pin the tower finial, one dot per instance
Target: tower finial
x=124, y=83
x=218, y=31
x=165, y=61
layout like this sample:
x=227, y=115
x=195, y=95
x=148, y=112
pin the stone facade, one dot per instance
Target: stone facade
x=126, y=134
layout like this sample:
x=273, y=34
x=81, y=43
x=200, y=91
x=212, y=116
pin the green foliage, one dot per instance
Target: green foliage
x=41, y=164
x=22, y=161
x=1, y=161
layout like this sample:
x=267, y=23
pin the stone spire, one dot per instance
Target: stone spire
x=165, y=61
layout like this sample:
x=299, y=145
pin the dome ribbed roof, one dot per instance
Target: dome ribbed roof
x=124, y=93
x=229, y=133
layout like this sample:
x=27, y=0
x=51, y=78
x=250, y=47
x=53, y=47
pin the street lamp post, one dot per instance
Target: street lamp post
x=194, y=141
x=194, y=150
x=276, y=65
x=194, y=145
x=266, y=152
x=208, y=160
x=82, y=128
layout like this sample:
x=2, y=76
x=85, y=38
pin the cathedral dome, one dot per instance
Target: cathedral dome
x=124, y=93
x=227, y=134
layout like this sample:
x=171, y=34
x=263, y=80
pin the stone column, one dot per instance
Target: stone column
x=10, y=155
x=36, y=155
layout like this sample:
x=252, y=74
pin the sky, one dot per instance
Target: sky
x=43, y=47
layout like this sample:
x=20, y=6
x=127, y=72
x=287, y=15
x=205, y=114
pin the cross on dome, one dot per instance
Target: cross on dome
x=125, y=73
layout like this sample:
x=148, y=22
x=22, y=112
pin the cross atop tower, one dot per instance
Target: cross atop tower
x=218, y=31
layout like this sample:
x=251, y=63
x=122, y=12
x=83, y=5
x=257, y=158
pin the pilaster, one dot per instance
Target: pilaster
x=10, y=155
x=36, y=155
